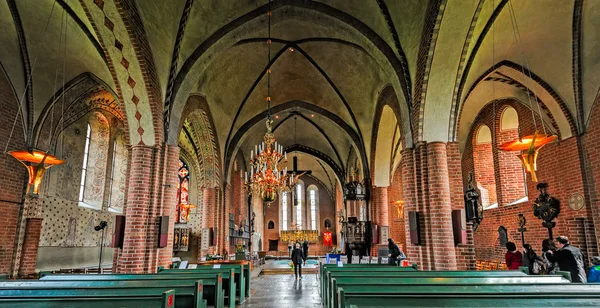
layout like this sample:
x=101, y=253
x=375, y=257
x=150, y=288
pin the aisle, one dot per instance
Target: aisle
x=284, y=291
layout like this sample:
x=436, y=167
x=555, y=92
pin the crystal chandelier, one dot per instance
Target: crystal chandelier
x=268, y=174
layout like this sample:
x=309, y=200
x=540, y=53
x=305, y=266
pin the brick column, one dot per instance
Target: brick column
x=226, y=211
x=30, y=246
x=465, y=253
x=209, y=198
x=381, y=203
x=133, y=257
x=440, y=210
x=409, y=186
x=170, y=200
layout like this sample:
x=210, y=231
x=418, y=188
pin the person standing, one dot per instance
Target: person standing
x=548, y=248
x=305, y=250
x=569, y=259
x=394, y=252
x=594, y=273
x=513, y=258
x=298, y=259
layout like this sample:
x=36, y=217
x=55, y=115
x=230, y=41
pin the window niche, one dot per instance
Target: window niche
x=94, y=156
x=271, y=225
x=483, y=163
x=502, y=236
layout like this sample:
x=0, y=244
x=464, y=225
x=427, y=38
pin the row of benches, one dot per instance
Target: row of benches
x=364, y=286
x=220, y=285
x=482, y=265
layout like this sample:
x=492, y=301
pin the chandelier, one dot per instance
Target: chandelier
x=268, y=174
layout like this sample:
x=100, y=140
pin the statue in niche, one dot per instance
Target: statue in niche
x=546, y=207
x=473, y=205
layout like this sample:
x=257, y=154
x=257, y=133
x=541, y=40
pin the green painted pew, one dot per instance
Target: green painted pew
x=232, y=283
x=327, y=285
x=331, y=299
x=212, y=283
x=366, y=268
x=242, y=276
x=57, y=297
x=497, y=295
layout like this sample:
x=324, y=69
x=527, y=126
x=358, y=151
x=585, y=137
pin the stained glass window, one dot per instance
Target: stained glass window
x=299, y=191
x=182, y=192
x=313, y=210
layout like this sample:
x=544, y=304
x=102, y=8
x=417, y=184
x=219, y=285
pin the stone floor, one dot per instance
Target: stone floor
x=284, y=291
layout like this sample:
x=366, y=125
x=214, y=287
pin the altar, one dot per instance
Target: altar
x=299, y=235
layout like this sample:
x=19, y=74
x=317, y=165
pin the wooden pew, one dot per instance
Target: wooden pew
x=246, y=267
x=365, y=268
x=211, y=288
x=496, y=295
x=241, y=273
x=331, y=299
x=51, y=297
x=327, y=285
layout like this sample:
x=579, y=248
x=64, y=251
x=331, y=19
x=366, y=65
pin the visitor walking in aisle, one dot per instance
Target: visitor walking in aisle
x=513, y=258
x=298, y=259
x=569, y=259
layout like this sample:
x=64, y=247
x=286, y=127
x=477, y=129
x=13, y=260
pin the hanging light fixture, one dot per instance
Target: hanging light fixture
x=268, y=174
x=529, y=145
x=38, y=161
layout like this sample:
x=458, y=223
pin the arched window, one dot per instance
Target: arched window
x=313, y=199
x=86, y=157
x=512, y=175
x=118, y=175
x=94, y=171
x=299, y=203
x=483, y=163
x=182, y=192
x=271, y=225
x=284, y=211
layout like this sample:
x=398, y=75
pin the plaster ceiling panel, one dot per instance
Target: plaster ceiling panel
x=75, y=5
x=590, y=55
x=358, y=78
x=161, y=22
x=448, y=48
x=367, y=12
x=208, y=16
x=546, y=44
x=293, y=77
x=226, y=81
x=82, y=56
x=10, y=52
x=408, y=18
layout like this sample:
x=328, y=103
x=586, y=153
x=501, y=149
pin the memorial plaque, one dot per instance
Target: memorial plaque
x=205, y=241
x=384, y=234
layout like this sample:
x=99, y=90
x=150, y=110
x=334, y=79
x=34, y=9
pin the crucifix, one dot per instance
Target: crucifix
x=295, y=174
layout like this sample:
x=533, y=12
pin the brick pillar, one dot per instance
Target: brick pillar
x=465, y=253
x=407, y=163
x=228, y=206
x=170, y=200
x=440, y=210
x=30, y=246
x=381, y=203
x=133, y=258
x=209, y=198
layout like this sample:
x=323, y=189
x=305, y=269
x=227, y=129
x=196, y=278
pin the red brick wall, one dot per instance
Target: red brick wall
x=12, y=174
x=170, y=198
x=561, y=166
x=30, y=246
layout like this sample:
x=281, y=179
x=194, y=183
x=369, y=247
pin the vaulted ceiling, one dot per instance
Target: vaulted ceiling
x=443, y=59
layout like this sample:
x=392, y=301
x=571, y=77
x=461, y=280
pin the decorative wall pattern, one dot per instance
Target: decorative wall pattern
x=97, y=161
x=66, y=224
x=117, y=196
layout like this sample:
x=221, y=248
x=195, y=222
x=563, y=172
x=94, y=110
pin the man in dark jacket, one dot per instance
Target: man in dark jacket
x=305, y=250
x=298, y=259
x=395, y=254
x=569, y=259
